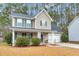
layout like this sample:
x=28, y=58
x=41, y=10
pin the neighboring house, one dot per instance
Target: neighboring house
x=73, y=29
x=39, y=26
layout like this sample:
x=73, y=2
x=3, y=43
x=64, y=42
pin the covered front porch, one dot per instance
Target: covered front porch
x=43, y=36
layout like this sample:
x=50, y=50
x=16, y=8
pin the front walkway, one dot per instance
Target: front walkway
x=69, y=45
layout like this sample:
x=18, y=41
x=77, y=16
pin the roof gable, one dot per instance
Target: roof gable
x=45, y=13
x=73, y=21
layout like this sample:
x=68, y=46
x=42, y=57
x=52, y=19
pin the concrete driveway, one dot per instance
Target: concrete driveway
x=69, y=45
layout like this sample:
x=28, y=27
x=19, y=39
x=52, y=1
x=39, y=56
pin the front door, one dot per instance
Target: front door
x=42, y=37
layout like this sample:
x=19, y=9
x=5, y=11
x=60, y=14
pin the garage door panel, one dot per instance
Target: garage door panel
x=54, y=38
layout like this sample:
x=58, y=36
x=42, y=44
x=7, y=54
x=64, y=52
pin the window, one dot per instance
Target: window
x=19, y=22
x=43, y=23
x=1, y=5
x=28, y=23
x=46, y=23
x=40, y=23
x=23, y=34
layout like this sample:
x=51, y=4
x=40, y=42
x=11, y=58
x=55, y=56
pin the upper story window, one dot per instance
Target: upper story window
x=28, y=23
x=46, y=23
x=1, y=5
x=40, y=23
x=43, y=23
x=19, y=22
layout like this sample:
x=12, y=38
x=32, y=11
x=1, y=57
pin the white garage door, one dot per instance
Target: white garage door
x=54, y=38
x=49, y=38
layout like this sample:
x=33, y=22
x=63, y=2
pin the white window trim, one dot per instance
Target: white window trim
x=46, y=23
x=19, y=21
x=28, y=21
x=43, y=23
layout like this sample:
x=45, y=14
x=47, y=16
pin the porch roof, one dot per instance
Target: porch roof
x=29, y=29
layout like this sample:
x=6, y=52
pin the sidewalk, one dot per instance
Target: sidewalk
x=69, y=45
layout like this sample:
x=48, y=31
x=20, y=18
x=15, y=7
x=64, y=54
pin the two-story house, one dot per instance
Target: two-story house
x=39, y=26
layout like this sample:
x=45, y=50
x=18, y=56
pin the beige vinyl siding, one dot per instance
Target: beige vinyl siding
x=42, y=17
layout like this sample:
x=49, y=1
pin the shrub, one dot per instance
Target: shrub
x=64, y=38
x=8, y=37
x=35, y=41
x=22, y=41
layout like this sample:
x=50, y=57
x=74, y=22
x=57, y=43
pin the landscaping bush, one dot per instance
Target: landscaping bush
x=35, y=41
x=8, y=37
x=64, y=38
x=22, y=41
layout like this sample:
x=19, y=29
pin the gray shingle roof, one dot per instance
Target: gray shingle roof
x=54, y=27
x=24, y=15
x=21, y=15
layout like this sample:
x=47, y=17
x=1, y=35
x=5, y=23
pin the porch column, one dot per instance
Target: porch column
x=13, y=38
x=39, y=35
x=13, y=22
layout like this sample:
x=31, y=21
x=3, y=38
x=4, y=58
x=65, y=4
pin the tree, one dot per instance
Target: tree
x=11, y=7
x=54, y=15
x=69, y=15
x=77, y=8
